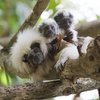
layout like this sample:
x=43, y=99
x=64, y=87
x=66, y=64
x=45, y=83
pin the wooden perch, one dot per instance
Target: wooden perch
x=40, y=91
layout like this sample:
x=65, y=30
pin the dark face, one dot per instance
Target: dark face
x=63, y=21
x=48, y=31
x=35, y=56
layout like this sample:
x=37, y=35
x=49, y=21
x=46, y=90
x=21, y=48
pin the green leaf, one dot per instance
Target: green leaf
x=52, y=5
x=5, y=78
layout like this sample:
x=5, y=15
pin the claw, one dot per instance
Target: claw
x=59, y=65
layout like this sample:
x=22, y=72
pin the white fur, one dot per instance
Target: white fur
x=22, y=46
x=70, y=52
x=86, y=42
x=75, y=33
x=78, y=98
x=1, y=47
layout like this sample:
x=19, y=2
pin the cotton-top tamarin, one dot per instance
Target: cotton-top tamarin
x=64, y=19
x=29, y=55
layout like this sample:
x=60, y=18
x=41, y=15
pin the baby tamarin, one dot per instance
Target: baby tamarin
x=64, y=20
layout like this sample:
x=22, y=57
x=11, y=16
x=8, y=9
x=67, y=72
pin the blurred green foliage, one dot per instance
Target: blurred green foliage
x=52, y=5
x=4, y=78
x=11, y=18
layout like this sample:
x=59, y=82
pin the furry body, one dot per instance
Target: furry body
x=31, y=60
x=21, y=47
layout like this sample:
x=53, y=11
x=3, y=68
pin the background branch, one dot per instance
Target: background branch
x=4, y=41
x=89, y=28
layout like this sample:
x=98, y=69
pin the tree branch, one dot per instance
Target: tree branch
x=38, y=91
x=87, y=65
x=89, y=28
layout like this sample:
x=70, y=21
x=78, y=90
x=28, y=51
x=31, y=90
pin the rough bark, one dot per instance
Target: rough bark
x=40, y=91
x=89, y=28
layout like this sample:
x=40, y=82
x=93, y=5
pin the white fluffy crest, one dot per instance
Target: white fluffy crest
x=65, y=12
x=49, y=21
x=22, y=46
